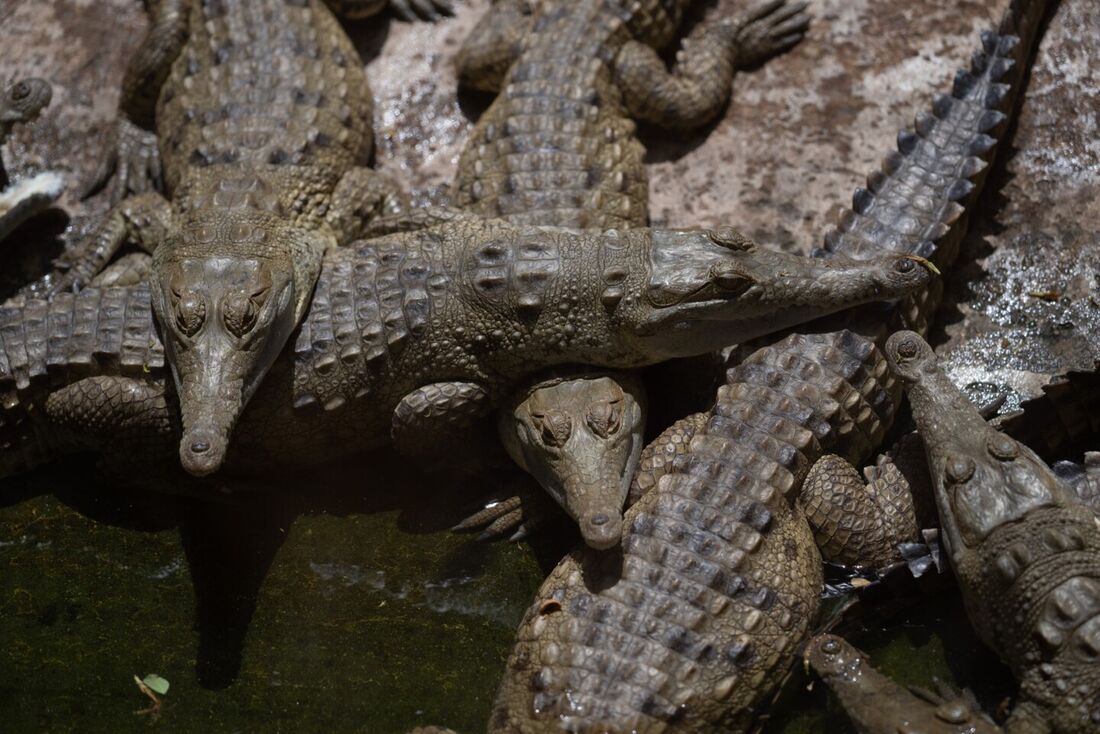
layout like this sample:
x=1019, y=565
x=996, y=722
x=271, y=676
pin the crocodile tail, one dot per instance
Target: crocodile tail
x=45, y=345
x=1063, y=420
x=916, y=202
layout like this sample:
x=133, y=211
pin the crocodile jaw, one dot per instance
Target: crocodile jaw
x=707, y=289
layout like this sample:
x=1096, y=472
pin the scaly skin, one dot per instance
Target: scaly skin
x=719, y=575
x=581, y=437
x=19, y=201
x=1025, y=551
x=557, y=148
x=263, y=170
x=877, y=705
x=471, y=302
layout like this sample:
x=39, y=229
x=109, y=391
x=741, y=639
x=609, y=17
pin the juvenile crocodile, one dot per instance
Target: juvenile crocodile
x=877, y=705
x=21, y=200
x=462, y=311
x=580, y=435
x=557, y=148
x=1025, y=551
x=262, y=120
x=719, y=576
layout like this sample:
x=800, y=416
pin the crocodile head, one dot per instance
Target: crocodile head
x=709, y=289
x=983, y=479
x=833, y=659
x=227, y=294
x=23, y=100
x=580, y=437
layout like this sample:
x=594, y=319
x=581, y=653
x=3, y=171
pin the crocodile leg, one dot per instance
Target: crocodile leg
x=493, y=44
x=129, y=270
x=133, y=157
x=437, y=418
x=697, y=89
x=94, y=414
x=859, y=522
x=142, y=220
x=363, y=196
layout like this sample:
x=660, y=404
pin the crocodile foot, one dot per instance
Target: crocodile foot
x=131, y=165
x=769, y=28
x=513, y=517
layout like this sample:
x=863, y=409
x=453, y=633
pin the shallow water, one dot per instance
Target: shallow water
x=360, y=624
x=276, y=615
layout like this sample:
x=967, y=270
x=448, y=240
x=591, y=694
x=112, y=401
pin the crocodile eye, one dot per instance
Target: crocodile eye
x=21, y=90
x=190, y=312
x=830, y=647
x=605, y=418
x=554, y=427
x=730, y=281
x=240, y=311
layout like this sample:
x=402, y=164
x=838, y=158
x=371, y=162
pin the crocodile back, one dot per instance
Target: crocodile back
x=273, y=86
x=556, y=147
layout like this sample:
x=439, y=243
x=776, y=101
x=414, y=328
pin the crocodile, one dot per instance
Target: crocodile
x=462, y=311
x=22, y=101
x=1025, y=551
x=558, y=145
x=1057, y=422
x=557, y=148
x=580, y=436
x=877, y=705
x=693, y=624
x=254, y=118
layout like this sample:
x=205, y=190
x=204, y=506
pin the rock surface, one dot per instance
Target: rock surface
x=800, y=134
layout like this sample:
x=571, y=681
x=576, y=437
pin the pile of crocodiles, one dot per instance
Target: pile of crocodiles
x=260, y=300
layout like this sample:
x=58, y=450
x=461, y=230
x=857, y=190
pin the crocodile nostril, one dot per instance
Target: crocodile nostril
x=600, y=519
x=200, y=447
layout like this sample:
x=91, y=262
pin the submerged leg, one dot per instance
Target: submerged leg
x=697, y=89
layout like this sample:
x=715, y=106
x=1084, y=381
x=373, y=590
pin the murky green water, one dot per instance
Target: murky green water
x=275, y=617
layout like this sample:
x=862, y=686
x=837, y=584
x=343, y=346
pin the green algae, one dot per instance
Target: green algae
x=358, y=625
x=279, y=618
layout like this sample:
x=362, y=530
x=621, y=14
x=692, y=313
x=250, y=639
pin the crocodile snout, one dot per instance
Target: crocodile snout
x=601, y=530
x=202, y=451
